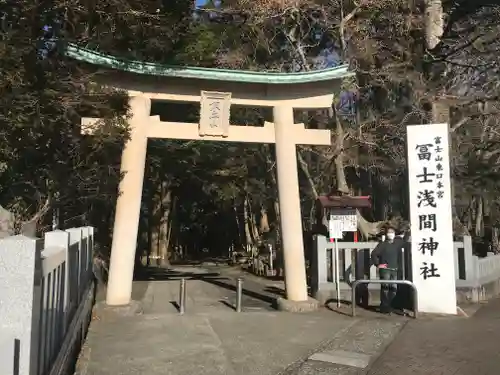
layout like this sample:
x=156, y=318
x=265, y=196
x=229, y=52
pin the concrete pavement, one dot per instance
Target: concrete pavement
x=364, y=340
x=446, y=346
x=225, y=343
x=212, y=339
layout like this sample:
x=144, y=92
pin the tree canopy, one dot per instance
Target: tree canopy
x=415, y=62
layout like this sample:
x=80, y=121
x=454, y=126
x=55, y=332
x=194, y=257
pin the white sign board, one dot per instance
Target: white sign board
x=431, y=218
x=335, y=229
x=214, y=113
x=348, y=218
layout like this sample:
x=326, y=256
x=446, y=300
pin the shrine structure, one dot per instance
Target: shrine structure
x=216, y=90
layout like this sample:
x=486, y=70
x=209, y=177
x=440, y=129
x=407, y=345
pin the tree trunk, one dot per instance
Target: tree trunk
x=478, y=230
x=434, y=27
x=471, y=213
x=433, y=23
x=155, y=237
x=246, y=218
x=264, y=220
x=342, y=185
x=271, y=167
x=253, y=224
x=441, y=114
x=165, y=224
x=160, y=223
x=495, y=245
x=278, y=220
x=237, y=220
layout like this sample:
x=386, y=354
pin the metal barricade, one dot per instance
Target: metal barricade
x=397, y=282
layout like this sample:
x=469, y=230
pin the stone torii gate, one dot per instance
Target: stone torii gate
x=216, y=90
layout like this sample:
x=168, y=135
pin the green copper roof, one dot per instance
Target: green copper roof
x=96, y=58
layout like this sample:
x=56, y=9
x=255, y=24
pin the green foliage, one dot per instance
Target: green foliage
x=46, y=161
x=45, y=158
x=200, y=46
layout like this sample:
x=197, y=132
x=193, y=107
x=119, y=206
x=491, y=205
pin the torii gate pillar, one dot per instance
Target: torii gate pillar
x=128, y=205
x=289, y=203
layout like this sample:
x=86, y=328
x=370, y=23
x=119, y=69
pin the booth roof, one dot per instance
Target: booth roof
x=331, y=201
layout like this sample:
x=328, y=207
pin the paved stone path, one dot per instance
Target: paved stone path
x=212, y=339
x=444, y=346
x=431, y=345
x=207, y=291
x=260, y=343
x=361, y=341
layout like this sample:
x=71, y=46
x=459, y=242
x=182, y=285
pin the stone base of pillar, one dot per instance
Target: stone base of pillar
x=310, y=305
x=101, y=310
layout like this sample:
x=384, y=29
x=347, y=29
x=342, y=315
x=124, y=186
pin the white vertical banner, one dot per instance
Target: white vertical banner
x=432, y=248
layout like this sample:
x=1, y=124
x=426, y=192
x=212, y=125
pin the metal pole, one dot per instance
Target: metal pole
x=353, y=297
x=404, y=263
x=337, y=272
x=404, y=276
x=182, y=296
x=271, y=260
x=239, y=290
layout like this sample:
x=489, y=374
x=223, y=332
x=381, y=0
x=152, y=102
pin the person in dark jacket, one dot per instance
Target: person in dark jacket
x=386, y=258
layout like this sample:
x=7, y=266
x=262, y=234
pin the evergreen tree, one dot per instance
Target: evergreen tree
x=45, y=160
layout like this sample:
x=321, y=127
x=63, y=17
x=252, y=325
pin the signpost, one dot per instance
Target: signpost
x=431, y=218
x=341, y=220
x=348, y=218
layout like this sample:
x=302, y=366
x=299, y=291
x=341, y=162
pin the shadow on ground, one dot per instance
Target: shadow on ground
x=251, y=289
x=163, y=274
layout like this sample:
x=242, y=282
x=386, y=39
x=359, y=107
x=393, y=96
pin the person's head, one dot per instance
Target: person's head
x=390, y=233
x=381, y=236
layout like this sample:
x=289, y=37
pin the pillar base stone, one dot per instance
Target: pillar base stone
x=133, y=308
x=310, y=305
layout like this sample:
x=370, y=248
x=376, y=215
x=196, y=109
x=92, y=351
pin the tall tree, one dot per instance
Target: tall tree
x=46, y=161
